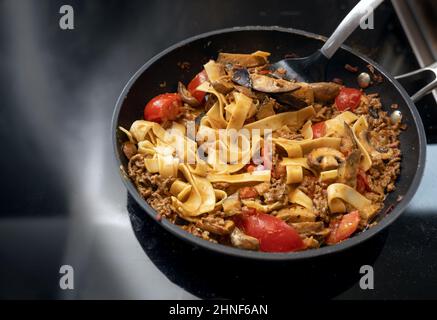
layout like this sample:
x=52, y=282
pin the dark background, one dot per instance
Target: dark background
x=62, y=201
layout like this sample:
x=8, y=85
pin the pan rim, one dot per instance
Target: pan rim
x=255, y=255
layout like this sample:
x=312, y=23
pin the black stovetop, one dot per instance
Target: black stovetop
x=62, y=201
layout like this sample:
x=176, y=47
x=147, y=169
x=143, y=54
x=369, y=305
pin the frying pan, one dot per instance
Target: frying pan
x=165, y=68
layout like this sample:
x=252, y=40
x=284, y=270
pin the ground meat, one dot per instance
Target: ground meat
x=288, y=132
x=316, y=190
x=152, y=187
x=188, y=113
x=278, y=192
x=198, y=232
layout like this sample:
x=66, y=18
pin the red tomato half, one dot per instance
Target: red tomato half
x=348, y=99
x=345, y=228
x=319, y=129
x=163, y=107
x=200, y=78
x=274, y=235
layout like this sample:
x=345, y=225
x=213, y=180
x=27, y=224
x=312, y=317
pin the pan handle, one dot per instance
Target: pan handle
x=420, y=73
x=359, y=13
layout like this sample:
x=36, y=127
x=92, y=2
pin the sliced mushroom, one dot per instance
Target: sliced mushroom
x=311, y=243
x=266, y=109
x=186, y=95
x=268, y=84
x=241, y=240
x=302, y=97
x=241, y=76
x=375, y=153
x=348, y=142
x=129, y=149
x=222, y=85
x=262, y=187
x=232, y=205
x=216, y=225
x=310, y=228
x=244, y=60
x=296, y=214
x=325, y=158
x=348, y=170
x=325, y=91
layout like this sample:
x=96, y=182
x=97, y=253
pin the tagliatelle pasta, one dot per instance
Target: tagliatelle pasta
x=244, y=157
x=351, y=196
x=294, y=118
x=299, y=197
x=359, y=129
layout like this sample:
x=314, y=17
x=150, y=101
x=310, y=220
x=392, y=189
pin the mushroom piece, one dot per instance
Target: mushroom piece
x=263, y=83
x=348, y=170
x=325, y=158
x=268, y=84
x=186, y=95
x=232, y=205
x=222, y=85
x=216, y=225
x=311, y=243
x=325, y=91
x=244, y=60
x=241, y=240
x=348, y=142
x=375, y=153
x=266, y=109
x=307, y=229
x=302, y=97
x=296, y=214
x=129, y=149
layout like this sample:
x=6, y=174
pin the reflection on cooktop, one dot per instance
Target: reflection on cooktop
x=211, y=275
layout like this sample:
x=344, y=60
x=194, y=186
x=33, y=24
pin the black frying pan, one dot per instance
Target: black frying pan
x=166, y=68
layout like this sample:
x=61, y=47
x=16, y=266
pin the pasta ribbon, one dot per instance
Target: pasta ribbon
x=294, y=174
x=180, y=189
x=294, y=118
x=202, y=196
x=214, y=70
x=262, y=207
x=297, y=196
x=328, y=175
x=306, y=146
x=359, y=129
x=335, y=126
x=350, y=195
x=242, y=106
x=256, y=176
x=307, y=130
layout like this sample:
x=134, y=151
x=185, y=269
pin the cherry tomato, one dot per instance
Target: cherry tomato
x=362, y=182
x=200, y=78
x=274, y=235
x=348, y=99
x=343, y=229
x=319, y=129
x=163, y=107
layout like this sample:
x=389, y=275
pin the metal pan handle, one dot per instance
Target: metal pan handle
x=418, y=73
